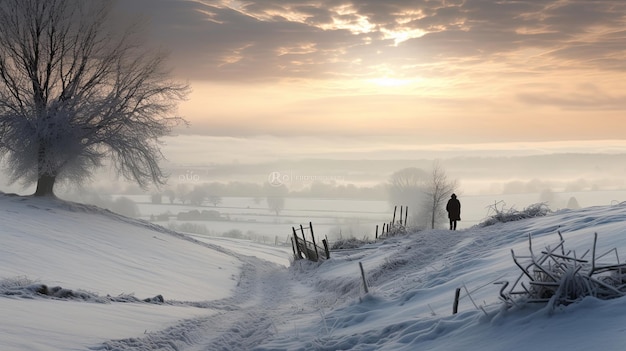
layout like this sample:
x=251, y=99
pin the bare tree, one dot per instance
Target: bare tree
x=183, y=191
x=215, y=200
x=197, y=196
x=276, y=197
x=438, y=190
x=75, y=91
x=170, y=194
x=425, y=194
x=407, y=188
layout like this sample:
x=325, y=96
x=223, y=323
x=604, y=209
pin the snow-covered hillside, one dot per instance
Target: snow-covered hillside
x=221, y=294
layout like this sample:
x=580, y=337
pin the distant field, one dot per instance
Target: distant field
x=348, y=218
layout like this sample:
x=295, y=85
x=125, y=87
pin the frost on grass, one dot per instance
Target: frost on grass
x=502, y=215
x=354, y=243
x=350, y=243
x=557, y=276
x=26, y=288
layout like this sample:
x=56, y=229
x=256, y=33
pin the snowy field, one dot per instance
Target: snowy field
x=226, y=294
x=351, y=218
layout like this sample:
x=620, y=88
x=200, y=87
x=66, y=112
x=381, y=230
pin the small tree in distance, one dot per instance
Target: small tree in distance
x=438, y=190
x=215, y=200
x=573, y=204
x=406, y=187
x=276, y=197
x=170, y=194
x=75, y=91
x=197, y=196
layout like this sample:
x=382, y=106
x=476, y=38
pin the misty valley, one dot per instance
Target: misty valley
x=249, y=218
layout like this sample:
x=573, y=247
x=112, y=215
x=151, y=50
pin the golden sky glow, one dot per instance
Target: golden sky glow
x=446, y=71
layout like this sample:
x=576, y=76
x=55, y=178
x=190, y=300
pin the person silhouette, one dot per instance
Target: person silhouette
x=454, y=211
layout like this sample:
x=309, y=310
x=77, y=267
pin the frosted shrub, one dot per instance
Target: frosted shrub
x=397, y=230
x=502, y=216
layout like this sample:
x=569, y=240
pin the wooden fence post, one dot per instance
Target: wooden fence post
x=401, y=207
x=455, y=307
x=394, y=214
x=363, y=276
x=376, y=231
x=326, y=248
x=406, y=216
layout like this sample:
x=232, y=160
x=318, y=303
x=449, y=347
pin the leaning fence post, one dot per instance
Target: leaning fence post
x=455, y=307
x=394, y=214
x=317, y=255
x=376, y=231
x=295, y=240
x=306, y=247
x=363, y=276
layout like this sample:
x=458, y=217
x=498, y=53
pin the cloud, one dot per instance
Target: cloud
x=466, y=70
x=586, y=97
x=274, y=40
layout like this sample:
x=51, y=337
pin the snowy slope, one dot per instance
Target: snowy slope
x=82, y=247
x=220, y=296
x=86, y=250
x=413, y=281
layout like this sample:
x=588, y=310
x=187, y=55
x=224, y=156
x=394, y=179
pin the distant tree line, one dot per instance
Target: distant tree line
x=211, y=193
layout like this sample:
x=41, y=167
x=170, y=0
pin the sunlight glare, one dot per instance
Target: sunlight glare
x=390, y=82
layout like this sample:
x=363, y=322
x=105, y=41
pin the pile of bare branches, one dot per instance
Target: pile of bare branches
x=559, y=277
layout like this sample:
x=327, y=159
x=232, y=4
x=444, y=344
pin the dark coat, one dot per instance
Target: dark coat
x=454, y=209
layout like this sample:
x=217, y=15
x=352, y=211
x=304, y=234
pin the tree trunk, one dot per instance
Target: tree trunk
x=432, y=215
x=45, y=185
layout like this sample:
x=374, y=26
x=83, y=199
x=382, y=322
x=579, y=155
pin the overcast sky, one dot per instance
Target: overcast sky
x=424, y=71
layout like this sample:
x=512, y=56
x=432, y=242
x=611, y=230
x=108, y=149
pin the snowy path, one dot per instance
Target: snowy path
x=264, y=296
x=261, y=297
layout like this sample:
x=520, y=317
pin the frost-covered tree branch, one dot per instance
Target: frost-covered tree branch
x=74, y=90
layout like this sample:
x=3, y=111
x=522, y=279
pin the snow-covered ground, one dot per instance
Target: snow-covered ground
x=225, y=294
